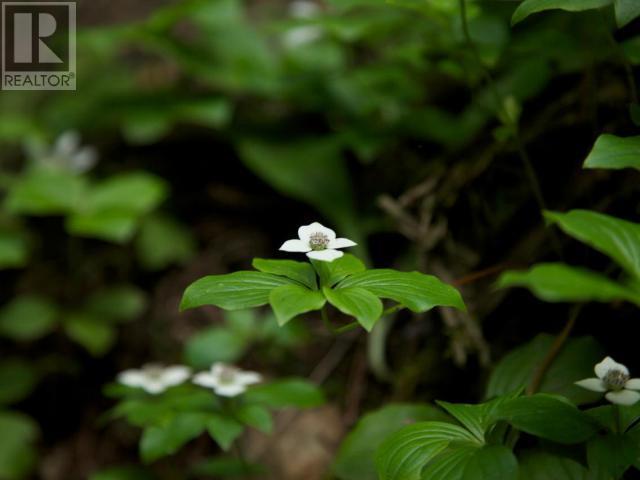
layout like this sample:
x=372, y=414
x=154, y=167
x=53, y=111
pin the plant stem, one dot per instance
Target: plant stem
x=553, y=352
x=325, y=320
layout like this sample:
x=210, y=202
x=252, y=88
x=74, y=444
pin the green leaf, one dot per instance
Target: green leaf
x=357, y=302
x=574, y=362
x=13, y=250
x=611, y=455
x=27, y=318
x=233, y=291
x=626, y=12
x=289, y=301
x=414, y=290
x=94, y=334
x=118, y=303
x=136, y=192
x=331, y=273
x=123, y=473
x=223, y=467
x=528, y=7
x=17, y=452
x=161, y=440
x=162, y=241
x=224, y=430
x=301, y=272
x=255, y=416
x=473, y=463
x=473, y=417
x=403, y=455
x=46, y=192
x=17, y=380
x=290, y=392
x=614, y=152
x=110, y=225
x=557, y=282
x=215, y=344
x=617, y=238
x=538, y=465
x=355, y=458
x=549, y=417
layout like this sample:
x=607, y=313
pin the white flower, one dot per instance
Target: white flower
x=317, y=242
x=303, y=35
x=614, y=379
x=68, y=154
x=155, y=378
x=226, y=380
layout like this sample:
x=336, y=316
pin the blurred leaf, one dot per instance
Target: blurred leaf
x=13, y=250
x=356, y=302
x=215, y=344
x=538, y=465
x=255, y=416
x=161, y=441
x=111, y=225
x=331, y=273
x=614, y=152
x=120, y=303
x=302, y=272
x=289, y=301
x=528, y=7
x=609, y=456
x=224, y=430
x=27, y=318
x=17, y=380
x=416, y=291
x=123, y=473
x=17, y=453
x=218, y=467
x=355, y=458
x=574, y=362
x=94, y=334
x=45, y=192
x=233, y=291
x=291, y=392
x=162, y=241
x=557, y=282
x=626, y=11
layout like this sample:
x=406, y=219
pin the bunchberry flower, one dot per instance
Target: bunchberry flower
x=318, y=242
x=226, y=380
x=613, y=378
x=67, y=153
x=155, y=378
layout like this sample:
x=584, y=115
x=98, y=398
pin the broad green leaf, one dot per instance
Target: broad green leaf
x=224, y=430
x=331, y=273
x=611, y=455
x=302, y=272
x=119, y=303
x=123, y=473
x=255, y=416
x=557, y=282
x=116, y=226
x=162, y=241
x=549, y=417
x=626, y=11
x=136, y=192
x=528, y=7
x=27, y=318
x=539, y=465
x=94, y=334
x=357, y=302
x=614, y=152
x=17, y=380
x=291, y=392
x=574, y=362
x=13, y=249
x=46, y=192
x=617, y=238
x=233, y=291
x=473, y=463
x=472, y=417
x=450, y=464
x=355, y=458
x=17, y=451
x=414, y=290
x=403, y=455
x=215, y=344
x=162, y=440
x=289, y=301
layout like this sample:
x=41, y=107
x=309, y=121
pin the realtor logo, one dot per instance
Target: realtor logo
x=38, y=45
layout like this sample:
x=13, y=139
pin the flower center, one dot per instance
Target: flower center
x=318, y=241
x=227, y=375
x=615, y=379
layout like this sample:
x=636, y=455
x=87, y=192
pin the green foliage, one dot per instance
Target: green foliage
x=17, y=452
x=165, y=439
x=540, y=465
x=162, y=241
x=123, y=473
x=611, y=455
x=286, y=393
x=528, y=7
x=289, y=301
x=356, y=302
x=13, y=249
x=331, y=273
x=614, y=152
x=17, y=380
x=300, y=271
x=27, y=318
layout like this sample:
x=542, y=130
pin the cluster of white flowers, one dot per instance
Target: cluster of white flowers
x=318, y=242
x=225, y=380
x=613, y=377
x=67, y=153
x=303, y=35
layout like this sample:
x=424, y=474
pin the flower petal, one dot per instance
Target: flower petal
x=607, y=364
x=305, y=231
x=132, y=378
x=67, y=143
x=593, y=384
x=341, y=243
x=175, y=375
x=248, y=378
x=154, y=387
x=295, y=246
x=633, y=384
x=623, y=397
x=325, y=255
x=230, y=390
x=205, y=379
